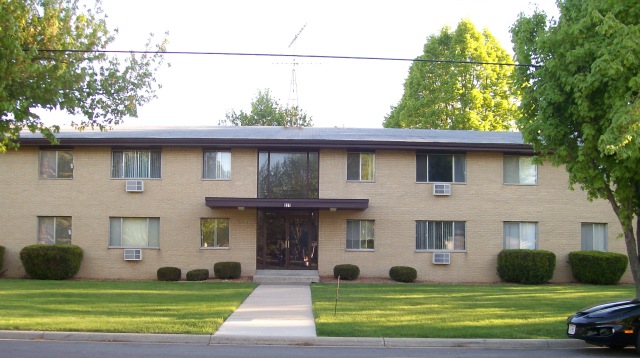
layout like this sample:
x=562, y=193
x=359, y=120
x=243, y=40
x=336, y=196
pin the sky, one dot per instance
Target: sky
x=198, y=90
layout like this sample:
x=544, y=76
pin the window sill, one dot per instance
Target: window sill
x=519, y=184
x=441, y=182
x=214, y=248
x=360, y=181
x=41, y=178
x=216, y=179
x=450, y=251
x=136, y=178
x=359, y=250
x=135, y=247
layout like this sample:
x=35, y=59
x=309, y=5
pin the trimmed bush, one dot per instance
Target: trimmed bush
x=346, y=271
x=198, y=275
x=169, y=273
x=526, y=266
x=51, y=262
x=403, y=273
x=1, y=257
x=597, y=267
x=227, y=270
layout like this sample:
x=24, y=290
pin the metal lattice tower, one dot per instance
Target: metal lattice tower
x=293, y=111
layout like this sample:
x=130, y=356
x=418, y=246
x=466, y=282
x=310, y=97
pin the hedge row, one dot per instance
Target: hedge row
x=222, y=270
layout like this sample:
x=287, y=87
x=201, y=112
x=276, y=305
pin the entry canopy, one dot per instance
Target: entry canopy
x=331, y=204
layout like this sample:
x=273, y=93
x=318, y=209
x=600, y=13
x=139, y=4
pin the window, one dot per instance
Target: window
x=54, y=230
x=360, y=235
x=56, y=164
x=594, y=236
x=288, y=175
x=445, y=168
x=216, y=165
x=214, y=232
x=519, y=170
x=520, y=235
x=134, y=232
x=137, y=164
x=360, y=166
x=440, y=235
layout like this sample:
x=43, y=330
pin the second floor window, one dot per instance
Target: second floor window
x=56, y=164
x=216, y=165
x=441, y=168
x=288, y=175
x=519, y=170
x=136, y=164
x=360, y=166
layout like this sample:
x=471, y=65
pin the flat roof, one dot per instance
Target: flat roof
x=287, y=137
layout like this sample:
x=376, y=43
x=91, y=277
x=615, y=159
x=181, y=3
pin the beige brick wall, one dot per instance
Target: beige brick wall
x=396, y=202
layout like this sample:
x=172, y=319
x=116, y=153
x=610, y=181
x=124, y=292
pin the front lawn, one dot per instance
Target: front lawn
x=136, y=307
x=454, y=311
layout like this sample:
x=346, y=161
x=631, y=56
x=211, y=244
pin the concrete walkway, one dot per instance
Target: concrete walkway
x=273, y=310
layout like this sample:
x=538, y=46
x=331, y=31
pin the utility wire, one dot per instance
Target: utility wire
x=292, y=55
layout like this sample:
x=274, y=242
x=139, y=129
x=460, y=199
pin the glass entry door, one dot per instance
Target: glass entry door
x=287, y=240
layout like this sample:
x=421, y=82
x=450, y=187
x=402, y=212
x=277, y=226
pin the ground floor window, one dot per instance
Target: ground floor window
x=54, y=230
x=440, y=235
x=521, y=235
x=214, y=232
x=134, y=232
x=360, y=235
x=594, y=236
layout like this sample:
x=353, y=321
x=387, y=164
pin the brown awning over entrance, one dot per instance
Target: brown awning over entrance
x=331, y=204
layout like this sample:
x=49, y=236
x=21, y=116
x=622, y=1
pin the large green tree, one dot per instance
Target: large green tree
x=38, y=72
x=455, y=95
x=267, y=111
x=581, y=105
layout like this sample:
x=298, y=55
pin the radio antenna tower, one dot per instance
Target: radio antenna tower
x=293, y=112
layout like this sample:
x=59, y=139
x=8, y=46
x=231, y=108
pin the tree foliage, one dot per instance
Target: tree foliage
x=454, y=95
x=267, y=111
x=37, y=71
x=580, y=107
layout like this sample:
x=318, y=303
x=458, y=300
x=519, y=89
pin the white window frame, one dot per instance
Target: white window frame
x=588, y=233
x=54, y=171
x=369, y=227
x=523, y=230
x=360, y=164
x=460, y=163
x=453, y=244
x=44, y=221
x=119, y=167
x=216, y=243
x=222, y=170
x=152, y=228
x=523, y=162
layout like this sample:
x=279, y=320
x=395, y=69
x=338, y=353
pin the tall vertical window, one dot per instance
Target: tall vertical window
x=445, y=168
x=288, y=175
x=440, y=235
x=594, y=236
x=214, y=232
x=360, y=166
x=360, y=235
x=134, y=232
x=520, y=235
x=519, y=170
x=136, y=164
x=216, y=165
x=54, y=230
x=56, y=164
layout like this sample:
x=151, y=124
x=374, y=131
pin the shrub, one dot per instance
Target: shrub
x=51, y=262
x=346, y=271
x=1, y=256
x=403, y=273
x=526, y=266
x=198, y=275
x=227, y=270
x=597, y=267
x=169, y=273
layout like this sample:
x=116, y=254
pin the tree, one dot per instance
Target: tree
x=37, y=70
x=580, y=103
x=267, y=111
x=454, y=95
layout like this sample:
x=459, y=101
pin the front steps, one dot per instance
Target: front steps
x=286, y=276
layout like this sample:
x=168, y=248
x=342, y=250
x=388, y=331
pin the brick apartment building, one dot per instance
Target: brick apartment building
x=272, y=198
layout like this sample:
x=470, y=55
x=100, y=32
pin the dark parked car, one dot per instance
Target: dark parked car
x=613, y=324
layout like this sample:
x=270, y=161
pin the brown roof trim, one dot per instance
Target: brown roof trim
x=349, y=204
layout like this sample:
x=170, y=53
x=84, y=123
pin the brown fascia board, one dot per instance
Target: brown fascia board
x=286, y=144
x=338, y=204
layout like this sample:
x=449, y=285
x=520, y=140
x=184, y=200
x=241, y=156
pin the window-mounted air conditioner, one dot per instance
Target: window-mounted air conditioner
x=132, y=254
x=134, y=186
x=441, y=258
x=441, y=189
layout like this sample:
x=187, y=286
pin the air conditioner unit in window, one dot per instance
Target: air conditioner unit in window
x=441, y=258
x=441, y=189
x=134, y=186
x=132, y=254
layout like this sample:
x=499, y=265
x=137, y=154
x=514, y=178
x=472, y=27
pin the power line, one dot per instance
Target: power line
x=333, y=57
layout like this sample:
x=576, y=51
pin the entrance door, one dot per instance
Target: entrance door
x=287, y=240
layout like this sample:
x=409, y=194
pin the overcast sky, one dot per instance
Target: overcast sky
x=199, y=89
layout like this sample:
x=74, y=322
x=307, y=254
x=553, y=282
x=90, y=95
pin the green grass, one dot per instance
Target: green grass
x=136, y=307
x=454, y=311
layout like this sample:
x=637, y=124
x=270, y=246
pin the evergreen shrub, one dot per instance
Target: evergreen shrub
x=198, y=275
x=346, y=271
x=526, y=266
x=597, y=267
x=51, y=262
x=227, y=270
x=169, y=273
x=2, y=249
x=403, y=273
